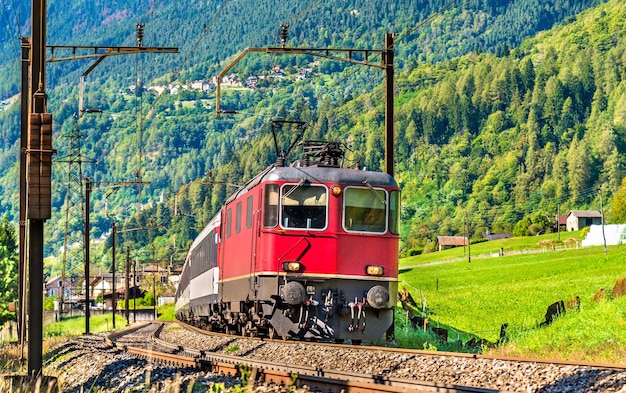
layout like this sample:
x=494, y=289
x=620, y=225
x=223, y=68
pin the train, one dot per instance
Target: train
x=305, y=251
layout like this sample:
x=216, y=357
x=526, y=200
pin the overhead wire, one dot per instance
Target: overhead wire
x=18, y=11
x=305, y=10
x=431, y=18
x=8, y=26
x=176, y=73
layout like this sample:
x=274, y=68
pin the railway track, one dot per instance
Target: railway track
x=449, y=369
x=268, y=372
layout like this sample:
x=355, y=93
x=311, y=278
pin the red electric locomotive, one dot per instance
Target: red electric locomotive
x=306, y=251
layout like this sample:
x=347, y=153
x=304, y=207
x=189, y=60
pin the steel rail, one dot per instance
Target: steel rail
x=282, y=374
x=558, y=362
x=319, y=378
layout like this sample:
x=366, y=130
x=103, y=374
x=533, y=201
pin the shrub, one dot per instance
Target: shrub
x=415, y=251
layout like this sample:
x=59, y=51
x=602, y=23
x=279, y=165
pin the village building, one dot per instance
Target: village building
x=445, y=242
x=578, y=219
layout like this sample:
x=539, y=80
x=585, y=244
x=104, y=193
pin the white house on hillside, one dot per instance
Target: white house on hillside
x=578, y=219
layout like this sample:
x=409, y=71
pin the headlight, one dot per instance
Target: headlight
x=375, y=270
x=378, y=297
x=292, y=266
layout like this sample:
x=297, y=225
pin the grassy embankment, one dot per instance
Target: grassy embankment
x=473, y=299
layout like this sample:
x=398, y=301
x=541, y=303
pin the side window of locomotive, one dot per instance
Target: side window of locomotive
x=249, y=210
x=229, y=220
x=365, y=210
x=303, y=206
x=270, y=206
x=394, y=212
x=238, y=218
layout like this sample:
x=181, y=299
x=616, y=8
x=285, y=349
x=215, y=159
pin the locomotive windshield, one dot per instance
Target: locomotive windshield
x=303, y=206
x=365, y=210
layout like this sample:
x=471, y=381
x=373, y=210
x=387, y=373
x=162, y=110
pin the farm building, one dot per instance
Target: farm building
x=578, y=219
x=445, y=242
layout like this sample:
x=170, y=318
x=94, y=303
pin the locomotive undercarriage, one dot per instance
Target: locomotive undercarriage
x=306, y=309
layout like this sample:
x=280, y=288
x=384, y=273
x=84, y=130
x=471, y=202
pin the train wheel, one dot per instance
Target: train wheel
x=244, y=331
x=356, y=342
x=339, y=341
x=271, y=333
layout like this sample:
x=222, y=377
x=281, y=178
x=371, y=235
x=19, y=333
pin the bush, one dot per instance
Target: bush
x=584, y=232
x=415, y=251
x=148, y=299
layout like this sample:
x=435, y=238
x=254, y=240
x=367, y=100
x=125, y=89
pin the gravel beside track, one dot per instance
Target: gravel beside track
x=505, y=375
x=90, y=364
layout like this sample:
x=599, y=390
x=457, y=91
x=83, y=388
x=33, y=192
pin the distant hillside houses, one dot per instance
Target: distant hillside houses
x=231, y=80
x=6, y=103
x=175, y=88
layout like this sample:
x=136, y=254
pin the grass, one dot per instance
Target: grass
x=166, y=312
x=75, y=326
x=473, y=299
x=509, y=246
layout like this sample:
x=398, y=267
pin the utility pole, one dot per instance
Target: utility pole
x=127, y=284
x=113, y=300
x=87, y=240
x=135, y=291
x=469, y=254
x=24, y=111
x=36, y=168
x=558, y=220
x=362, y=58
x=38, y=181
x=602, y=218
x=154, y=283
x=388, y=59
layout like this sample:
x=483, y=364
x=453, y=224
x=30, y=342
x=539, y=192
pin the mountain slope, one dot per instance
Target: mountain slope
x=462, y=124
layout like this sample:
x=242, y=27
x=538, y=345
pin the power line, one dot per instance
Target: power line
x=8, y=25
x=430, y=18
x=176, y=73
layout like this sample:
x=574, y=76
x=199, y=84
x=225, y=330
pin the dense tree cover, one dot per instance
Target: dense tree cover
x=509, y=141
x=479, y=25
x=8, y=268
x=484, y=141
x=617, y=213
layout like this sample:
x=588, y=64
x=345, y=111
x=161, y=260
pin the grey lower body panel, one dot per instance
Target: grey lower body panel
x=329, y=308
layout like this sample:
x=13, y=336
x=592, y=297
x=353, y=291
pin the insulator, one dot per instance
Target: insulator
x=140, y=27
x=283, y=34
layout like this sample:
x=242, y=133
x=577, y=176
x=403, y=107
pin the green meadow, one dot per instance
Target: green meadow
x=473, y=297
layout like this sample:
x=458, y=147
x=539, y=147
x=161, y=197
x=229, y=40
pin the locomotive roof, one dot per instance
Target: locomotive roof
x=317, y=174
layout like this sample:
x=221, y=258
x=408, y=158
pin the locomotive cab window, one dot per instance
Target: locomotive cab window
x=270, y=206
x=365, y=210
x=394, y=212
x=303, y=206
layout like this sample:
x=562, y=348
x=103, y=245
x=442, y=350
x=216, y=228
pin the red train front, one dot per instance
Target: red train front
x=307, y=251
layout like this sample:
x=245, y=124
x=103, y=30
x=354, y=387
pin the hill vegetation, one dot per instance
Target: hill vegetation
x=228, y=27
x=504, y=135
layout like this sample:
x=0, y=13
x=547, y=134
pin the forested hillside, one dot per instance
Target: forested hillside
x=504, y=142
x=490, y=135
x=227, y=27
